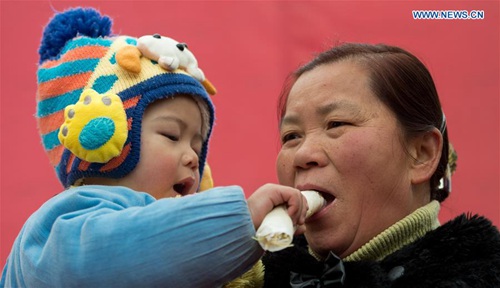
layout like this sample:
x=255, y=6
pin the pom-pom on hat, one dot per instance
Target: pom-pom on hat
x=93, y=88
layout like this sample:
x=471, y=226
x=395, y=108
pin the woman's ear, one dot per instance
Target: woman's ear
x=426, y=150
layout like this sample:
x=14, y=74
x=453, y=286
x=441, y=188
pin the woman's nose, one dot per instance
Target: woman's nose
x=310, y=153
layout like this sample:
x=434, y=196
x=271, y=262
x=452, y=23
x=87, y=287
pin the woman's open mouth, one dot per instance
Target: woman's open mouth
x=329, y=198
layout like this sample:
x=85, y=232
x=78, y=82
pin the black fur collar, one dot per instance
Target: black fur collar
x=464, y=252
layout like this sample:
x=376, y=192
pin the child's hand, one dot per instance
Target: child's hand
x=264, y=199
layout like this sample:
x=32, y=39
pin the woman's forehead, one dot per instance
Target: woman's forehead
x=333, y=86
x=337, y=77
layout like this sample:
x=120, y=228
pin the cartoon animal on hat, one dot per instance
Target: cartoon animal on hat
x=169, y=53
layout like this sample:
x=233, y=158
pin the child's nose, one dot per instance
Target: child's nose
x=190, y=159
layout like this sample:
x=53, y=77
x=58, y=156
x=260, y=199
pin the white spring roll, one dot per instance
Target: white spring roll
x=315, y=202
x=276, y=231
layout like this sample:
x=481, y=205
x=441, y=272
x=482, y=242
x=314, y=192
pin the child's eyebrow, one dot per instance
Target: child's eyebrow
x=169, y=119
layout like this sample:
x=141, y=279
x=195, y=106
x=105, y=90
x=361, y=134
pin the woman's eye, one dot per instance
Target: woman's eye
x=288, y=137
x=335, y=124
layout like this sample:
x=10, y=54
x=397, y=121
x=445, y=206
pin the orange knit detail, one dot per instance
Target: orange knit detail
x=62, y=85
x=132, y=102
x=129, y=124
x=85, y=52
x=117, y=161
x=51, y=122
x=84, y=165
x=70, y=162
x=55, y=155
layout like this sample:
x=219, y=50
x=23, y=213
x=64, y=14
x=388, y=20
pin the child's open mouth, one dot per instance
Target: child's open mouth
x=184, y=186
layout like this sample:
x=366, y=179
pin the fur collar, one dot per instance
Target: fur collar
x=464, y=252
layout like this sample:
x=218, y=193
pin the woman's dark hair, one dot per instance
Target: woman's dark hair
x=402, y=82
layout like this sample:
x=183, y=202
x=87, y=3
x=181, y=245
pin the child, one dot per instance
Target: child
x=120, y=115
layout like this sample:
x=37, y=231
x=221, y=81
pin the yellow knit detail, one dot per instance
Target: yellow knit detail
x=403, y=232
x=96, y=109
x=253, y=278
x=206, y=182
x=126, y=79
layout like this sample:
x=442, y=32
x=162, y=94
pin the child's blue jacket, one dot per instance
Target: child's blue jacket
x=104, y=236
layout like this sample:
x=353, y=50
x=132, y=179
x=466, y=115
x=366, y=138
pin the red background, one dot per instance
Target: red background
x=246, y=49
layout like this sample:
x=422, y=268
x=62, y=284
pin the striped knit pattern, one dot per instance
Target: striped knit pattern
x=60, y=83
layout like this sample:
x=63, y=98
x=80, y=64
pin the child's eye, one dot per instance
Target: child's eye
x=170, y=136
x=288, y=137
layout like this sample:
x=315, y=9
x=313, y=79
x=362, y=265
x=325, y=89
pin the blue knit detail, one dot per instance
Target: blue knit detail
x=85, y=41
x=131, y=41
x=112, y=60
x=50, y=140
x=52, y=105
x=66, y=69
x=61, y=168
x=96, y=133
x=104, y=83
x=154, y=62
x=164, y=86
x=68, y=25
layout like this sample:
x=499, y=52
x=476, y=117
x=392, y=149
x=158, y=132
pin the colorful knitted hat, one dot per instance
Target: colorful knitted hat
x=93, y=88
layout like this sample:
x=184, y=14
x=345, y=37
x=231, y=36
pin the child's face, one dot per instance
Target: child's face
x=171, y=142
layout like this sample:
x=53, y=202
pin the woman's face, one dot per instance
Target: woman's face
x=340, y=139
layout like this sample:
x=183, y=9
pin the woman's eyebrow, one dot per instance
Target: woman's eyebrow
x=323, y=111
x=338, y=105
x=289, y=120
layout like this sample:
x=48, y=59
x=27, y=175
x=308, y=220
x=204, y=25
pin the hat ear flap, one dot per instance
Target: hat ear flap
x=95, y=128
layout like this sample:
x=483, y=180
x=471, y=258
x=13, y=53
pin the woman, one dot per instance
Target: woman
x=363, y=125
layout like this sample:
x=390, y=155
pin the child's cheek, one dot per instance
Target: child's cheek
x=165, y=165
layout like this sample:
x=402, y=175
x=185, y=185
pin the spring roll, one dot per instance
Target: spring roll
x=276, y=231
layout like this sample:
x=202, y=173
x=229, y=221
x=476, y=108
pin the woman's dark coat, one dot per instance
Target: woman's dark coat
x=464, y=252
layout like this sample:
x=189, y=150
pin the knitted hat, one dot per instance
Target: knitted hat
x=93, y=88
